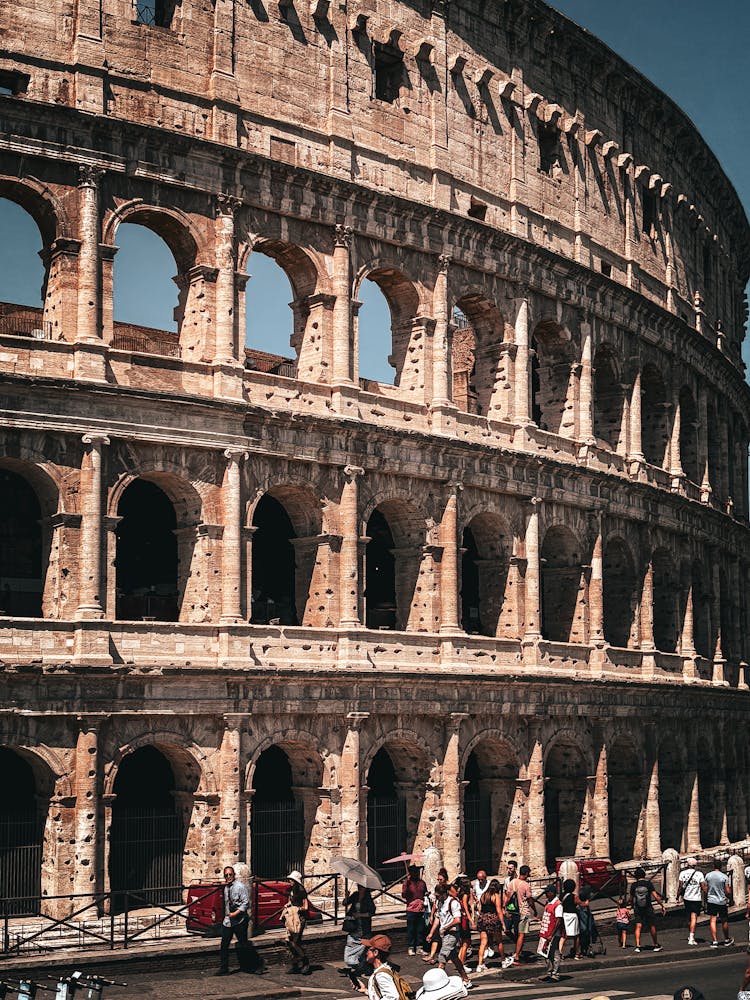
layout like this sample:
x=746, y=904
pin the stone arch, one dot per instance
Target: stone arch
x=492, y=802
x=711, y=790
x=404, y=299
x=655, y=422
x=29, y=497
x=288, y=819
x=609, y=400
x=193, y=767
x=689, y=435
x=666, y=606
x=563, y=586
x=486, y=542
x=566, y=805
x=627, y=797
x=552, y=377
x=480, y=379
x=701, y=601
x=620, y=592
x=288, y=564
x=393, y=566
x=397, y=768
x=174, y=226
x=42, y=204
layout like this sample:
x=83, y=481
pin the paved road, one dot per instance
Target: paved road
x=717, y=975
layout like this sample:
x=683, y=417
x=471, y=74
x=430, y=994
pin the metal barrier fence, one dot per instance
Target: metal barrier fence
x=25, y=324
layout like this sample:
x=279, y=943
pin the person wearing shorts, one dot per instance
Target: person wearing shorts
x=642, y=895
x=526, y=910
x=691, y=891
x=717, y=887
x=449, y=918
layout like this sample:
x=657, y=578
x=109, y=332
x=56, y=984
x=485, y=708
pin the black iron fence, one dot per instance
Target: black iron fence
x=21, y=837
x=25, y=324
x=278, y=837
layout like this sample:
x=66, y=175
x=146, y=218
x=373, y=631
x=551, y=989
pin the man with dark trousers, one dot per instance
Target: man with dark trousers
x=236, y=903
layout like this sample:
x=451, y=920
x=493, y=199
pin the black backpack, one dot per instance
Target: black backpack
x=641, y=895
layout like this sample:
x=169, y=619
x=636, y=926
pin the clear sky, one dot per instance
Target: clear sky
x=694, y=50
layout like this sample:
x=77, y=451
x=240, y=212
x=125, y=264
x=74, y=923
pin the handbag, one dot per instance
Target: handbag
x=349, y=925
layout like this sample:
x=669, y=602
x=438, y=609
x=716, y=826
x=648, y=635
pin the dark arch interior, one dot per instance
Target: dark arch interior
x=477, y=819
x=21, y=579
x=470, y=615
x=619, y=594
x=274, y=599
x=380, y=574
x=386, y=815
x=277, y=827
x=21, y=834
x=147, y=835
x=564, y=800
x=146, y=561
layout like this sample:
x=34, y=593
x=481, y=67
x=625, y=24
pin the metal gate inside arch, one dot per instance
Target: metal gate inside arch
x=21, y=836
x=277, y=824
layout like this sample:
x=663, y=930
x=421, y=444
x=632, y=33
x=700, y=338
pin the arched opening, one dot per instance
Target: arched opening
x=620, y=594
x=390, y=345
x=551, y=378
x=149, y=302
x=148, y=831
x=701, y=611
x=626, y=799
x=711, y=797
x=277, y=817
x=490, y=780
x=274, y=568
x=479, y=383
x=726, y=616
x=609, y=401
x=484, y=576
x=392, y=565
x=673, y=795
x=23, y=811
x=21, y=548
x=562, y=587
x=395, y=801
x=666, y=592
x=23, y=276
x=714, y=451
x=689, y=435
x=565, y=819
x=146, y=563
x=654, y=417
x=269, y=318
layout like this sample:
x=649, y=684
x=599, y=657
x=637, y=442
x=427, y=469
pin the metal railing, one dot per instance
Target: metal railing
x=141, y=343
x=25, y=324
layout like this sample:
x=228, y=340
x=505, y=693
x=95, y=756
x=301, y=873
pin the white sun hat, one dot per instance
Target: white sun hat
x=294, y=876
x=438, y=985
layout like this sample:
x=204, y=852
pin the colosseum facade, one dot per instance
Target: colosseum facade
x=258, y=608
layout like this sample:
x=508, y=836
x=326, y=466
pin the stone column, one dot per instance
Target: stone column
x=90, y=557
x=719, y=658
x=522, y=409
x=704, y=476
x=353, y=803
x=452, y=795
x=694, y=813
x=226, y=339
x=652, y=832
x=449, y=563
x=586, y=387
x=231, y=548
x=647, y=609
x=86, y=870
x=636, y=447
x=536, y=848
x=675, y=457
x=349, y=576
x=532, y=579
x=232, y=782
x=441, y=389
x=599, y=805
x=89, y=290
x=596, y=590
x=342, y=312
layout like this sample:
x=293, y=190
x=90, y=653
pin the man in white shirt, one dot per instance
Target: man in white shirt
x=381, y=985
x=449, y=919
x=718, y=889
x=690, y=890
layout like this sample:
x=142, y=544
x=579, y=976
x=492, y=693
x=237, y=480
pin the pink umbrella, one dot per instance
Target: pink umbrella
x=403, y=857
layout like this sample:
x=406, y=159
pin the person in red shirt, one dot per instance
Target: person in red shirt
x=413, y=892
x=552, y=933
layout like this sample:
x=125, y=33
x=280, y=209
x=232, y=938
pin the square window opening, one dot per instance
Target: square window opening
x=650, y=214
x=388, y=70
x=549, y=148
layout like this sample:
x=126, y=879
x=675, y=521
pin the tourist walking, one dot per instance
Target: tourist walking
x=413, y=892
x=512, y=918
x=521, y=895
x=381, y=985
x=490, y=923
x=468, y=922
x=236, y=905
x=642, y=896
x=622, y=921
x=295, y=915
x=433, y=898
x=449, y=924
x=570, y=917
x=718, y=888
x=552, y=933
x=358, y=914
x=690, y=891
x=478, y=888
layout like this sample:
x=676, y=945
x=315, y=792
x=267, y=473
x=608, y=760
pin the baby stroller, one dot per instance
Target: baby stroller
x=592, y=943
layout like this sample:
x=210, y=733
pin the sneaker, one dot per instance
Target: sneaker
x=490, y=952
x=657, y=947
x=412, y=951
x=481, y=968
x=728, y=942
x=507, y=962
x=691, y=940
x=714, y=944
x=555, y=977
x=421, y=951
x=468, y=968
x=637, y=950
x=468, y=984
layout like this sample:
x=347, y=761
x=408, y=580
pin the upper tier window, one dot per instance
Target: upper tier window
x=549, y=149
x=157, y=13
x=650, y=213
x=389, y=71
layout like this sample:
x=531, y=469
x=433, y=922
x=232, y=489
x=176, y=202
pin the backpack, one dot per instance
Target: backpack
x=512, y=904
x=405, y=992
x=641, y=895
